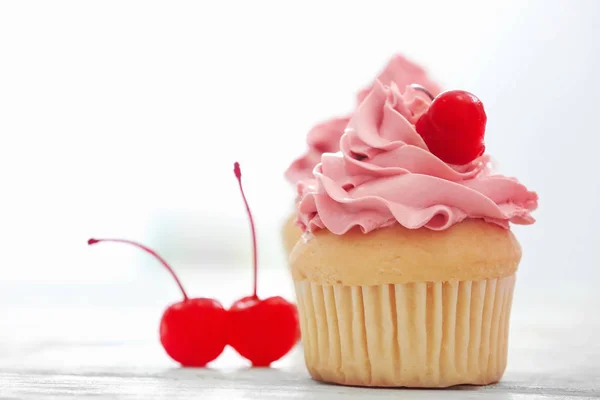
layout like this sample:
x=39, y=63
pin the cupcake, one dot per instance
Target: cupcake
x=405, y=272
x=325, y=136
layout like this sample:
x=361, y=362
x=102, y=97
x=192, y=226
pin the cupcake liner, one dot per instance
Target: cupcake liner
x=424, y=334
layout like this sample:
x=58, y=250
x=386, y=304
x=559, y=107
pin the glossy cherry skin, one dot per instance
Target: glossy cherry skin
x=263, y=331
x=194, y=332
x=454, y=127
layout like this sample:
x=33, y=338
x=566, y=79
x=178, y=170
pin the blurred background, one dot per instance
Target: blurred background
x=123, y=119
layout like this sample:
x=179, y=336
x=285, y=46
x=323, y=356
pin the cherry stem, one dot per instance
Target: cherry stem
x=422, y=89
x=238, y=174
x=150, y=251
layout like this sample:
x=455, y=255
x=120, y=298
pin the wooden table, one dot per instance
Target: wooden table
x=101, y=341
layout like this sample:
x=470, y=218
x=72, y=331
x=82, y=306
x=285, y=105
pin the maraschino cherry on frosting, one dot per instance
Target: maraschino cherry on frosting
x=454, y=127
x=325, y=136
x=385, y=172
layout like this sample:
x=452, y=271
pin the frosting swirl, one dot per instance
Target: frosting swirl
x=385, y=174
x=401, y=71
x=325, y=137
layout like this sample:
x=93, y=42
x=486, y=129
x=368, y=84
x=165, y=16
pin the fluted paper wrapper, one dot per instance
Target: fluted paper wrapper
x=413, y=335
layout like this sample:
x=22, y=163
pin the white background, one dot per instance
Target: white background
x=124, y=118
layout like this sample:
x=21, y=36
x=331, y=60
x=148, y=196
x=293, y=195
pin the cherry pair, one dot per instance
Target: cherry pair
x=195, y=331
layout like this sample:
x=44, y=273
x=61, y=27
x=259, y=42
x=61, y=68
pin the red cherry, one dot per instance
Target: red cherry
x=262, y=331
x=454, y=127
x=193, y=332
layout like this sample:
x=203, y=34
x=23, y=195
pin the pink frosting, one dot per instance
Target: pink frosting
x=325, y=137
x=385, y=174
x=403, y=72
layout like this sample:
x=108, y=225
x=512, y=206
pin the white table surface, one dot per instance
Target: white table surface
x=101, y=341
